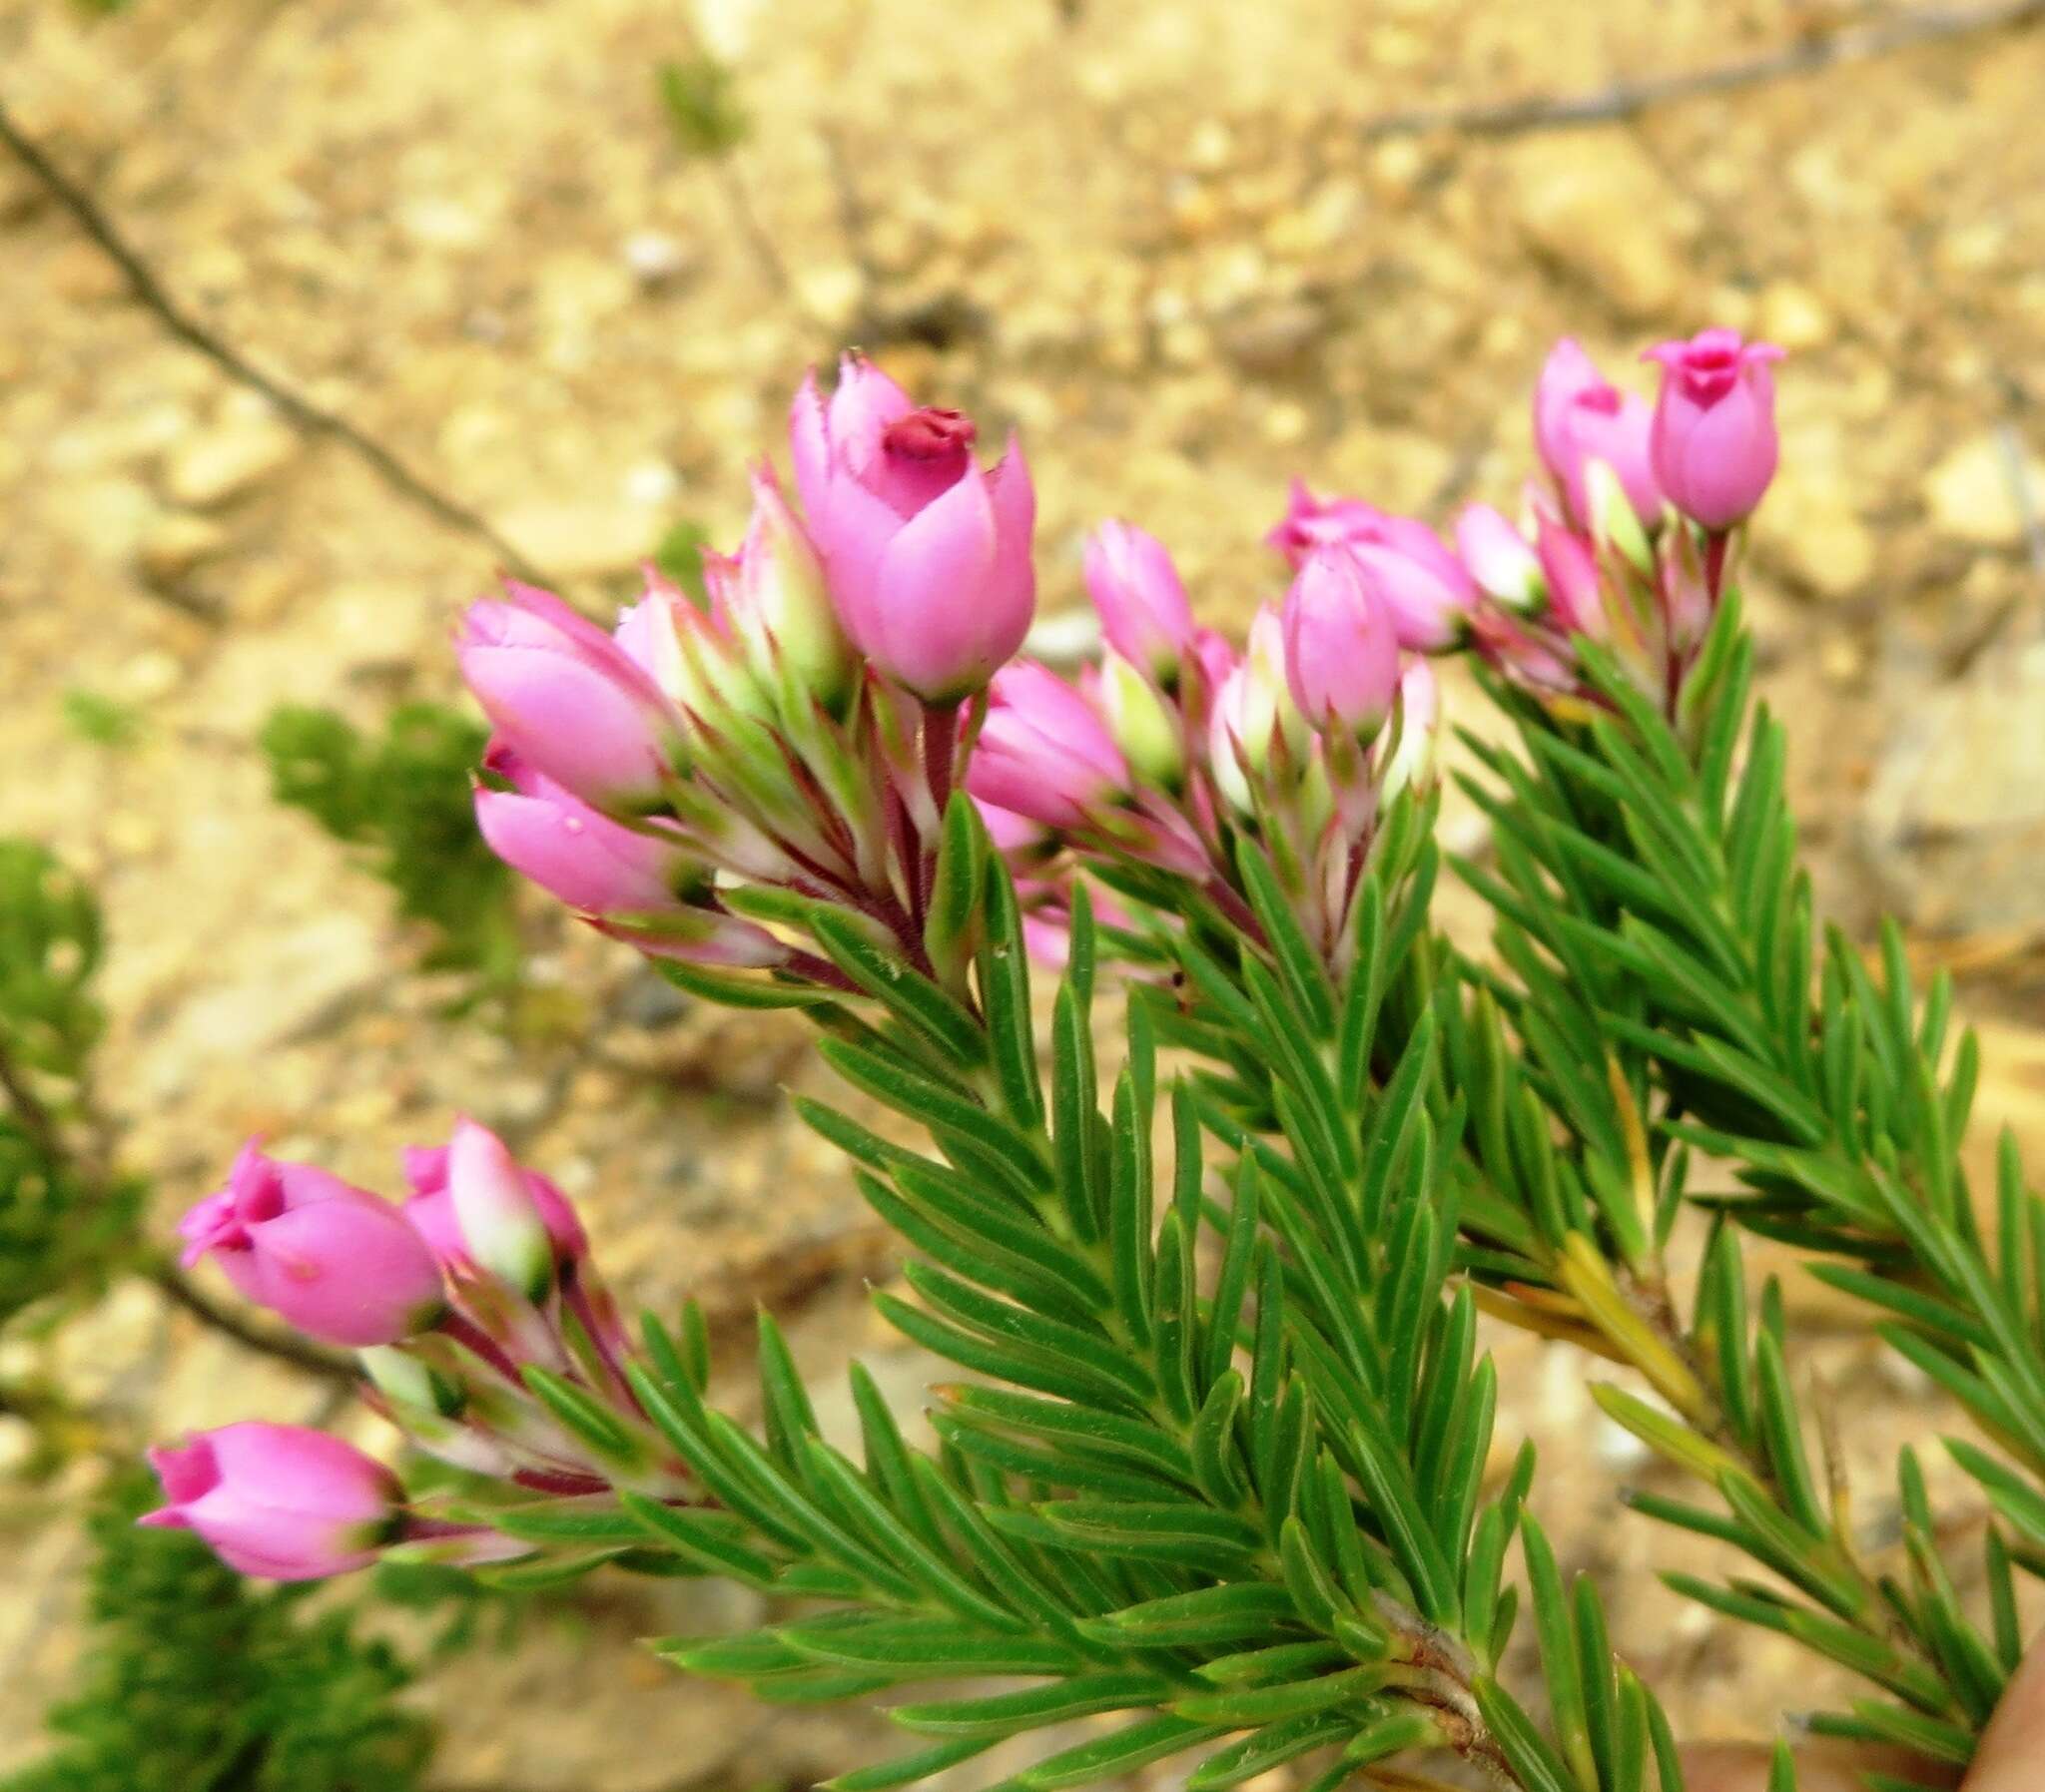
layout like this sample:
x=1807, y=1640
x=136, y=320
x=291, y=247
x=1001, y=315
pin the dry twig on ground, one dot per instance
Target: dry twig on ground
x=1625, y=100
x=149, y=292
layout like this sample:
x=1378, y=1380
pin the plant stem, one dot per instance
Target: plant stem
x=42, y=1125
x=298, y=1352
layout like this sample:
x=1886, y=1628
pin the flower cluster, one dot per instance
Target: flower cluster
x=476, y=1311
x=768, y=784
x=1625, y=541
x=705, y=784
x=696, y=781
x=1629, y=538
x=1161, y=766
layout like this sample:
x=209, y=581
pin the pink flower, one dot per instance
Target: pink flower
x=277, y=1501
x=569, y=850
x=1714, y=425
x=474, y=1205
x=1499, y=558
x=1341, y=655
x=332, y=1259
x=928, y=557
x=1216, y=655
x=1042, y=751
x=1142, y=603
x=1580, y=417
x=1423, y=584
x=1310, y=522
x=568, y=698
x=1013, y=836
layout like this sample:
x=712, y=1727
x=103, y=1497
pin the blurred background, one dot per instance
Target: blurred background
x=566, y=263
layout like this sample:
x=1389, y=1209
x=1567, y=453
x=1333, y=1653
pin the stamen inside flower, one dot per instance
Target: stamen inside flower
x=929, y=435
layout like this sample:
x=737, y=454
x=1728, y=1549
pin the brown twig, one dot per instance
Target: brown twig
x=738, y=200
x=1625, y=100
x=186, y=1292
x=312, y=420
x=853, y=219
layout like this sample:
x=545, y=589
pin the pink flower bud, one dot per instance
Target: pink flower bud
x=432, y=1213
x=775, y=600
x=332, y=1259
x=1570, y=567
x=1714, y=425
x=1417, y=733
x=1422, y=583
x=1013, y=836
x=1144, y=609
x=568, y=698
x=1310, y=523
x=277, y=1501
x=1216, y=657
x=1253, y=712
x=1500, y=559
x=1579, y=417
x=1141, y=721
x=1341, y=656
x=1043, y=752
x=1423, y=586
x=690, y=656
x=928, y=557
x=586, y=859
x=482, y=1214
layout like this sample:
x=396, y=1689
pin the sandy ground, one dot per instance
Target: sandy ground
x=1155, y=239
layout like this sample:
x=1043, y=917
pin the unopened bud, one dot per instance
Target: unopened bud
x=1612, y=518
x=1501, y=560
x=1143, y=725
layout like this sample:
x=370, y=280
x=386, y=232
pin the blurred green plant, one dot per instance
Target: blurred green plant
x=699, y=95
x=195, y=1681
x=679, y=556
x=104, y=720
x=51, y=942
x=403, y=799
x=60, y=1229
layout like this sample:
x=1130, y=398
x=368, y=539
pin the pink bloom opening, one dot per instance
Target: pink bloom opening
x=1713, y=437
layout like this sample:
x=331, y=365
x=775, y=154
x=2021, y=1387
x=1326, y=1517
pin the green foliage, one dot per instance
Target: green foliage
x=1653, y=917
x=404, y=798
x=59, y=1229
x=50, y=947
x=194, y=1682
x=700, y=96
x=58, y=1233
x=102, y=720
x=1241, y=1422
x=679, y=556
x=1218, y=1465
